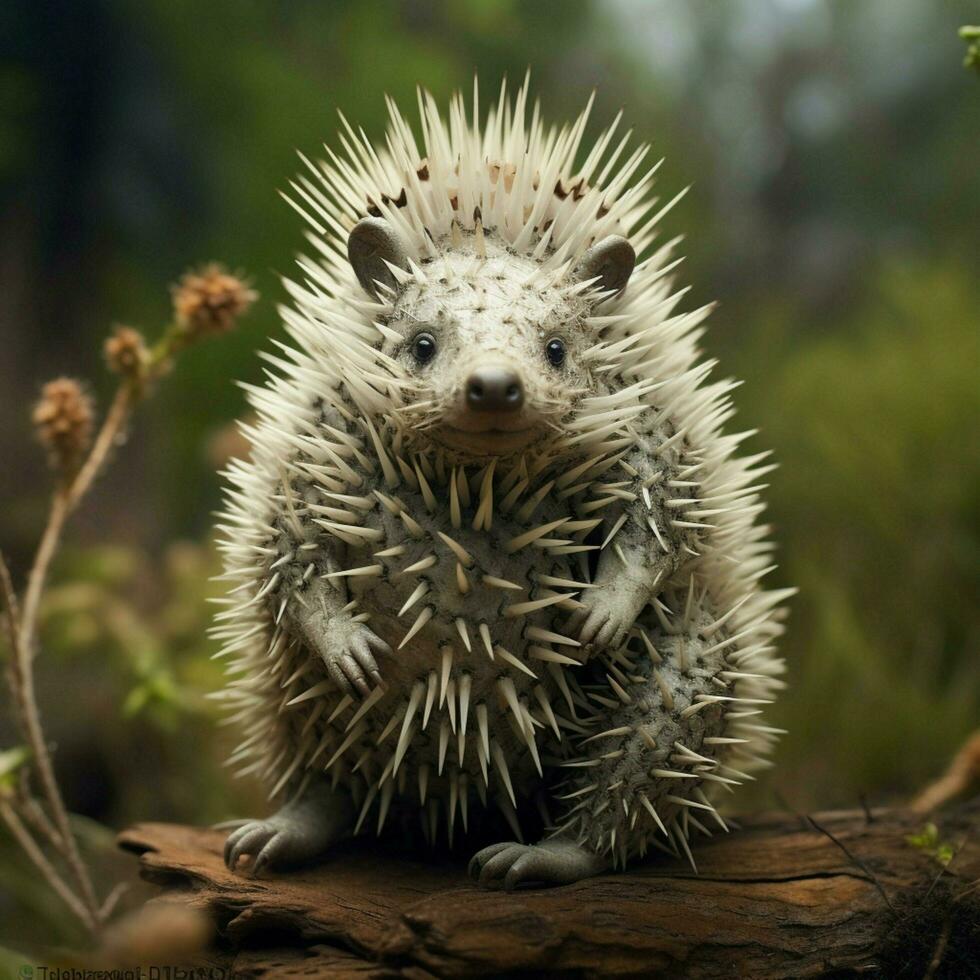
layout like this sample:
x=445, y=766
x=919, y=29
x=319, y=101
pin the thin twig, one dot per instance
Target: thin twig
x=64, y=502
x=945, y=869
x=963, y=771
x=112, y=900
x=43, y=766
x=940, y=950
x=872, y=877
x=868, y=815
x=28, y=805
x=46, y=549
x=114, y=422
x=22, y=621
x=11, y=620
x=60, y=834
x=66, y=499
x=31, y=810
x=34, y=853
x=10, y=604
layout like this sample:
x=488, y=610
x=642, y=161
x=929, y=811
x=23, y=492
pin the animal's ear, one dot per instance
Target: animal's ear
x=612, y=260
x=371, y=244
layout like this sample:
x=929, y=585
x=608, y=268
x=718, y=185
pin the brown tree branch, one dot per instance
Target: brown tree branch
x=778, y=898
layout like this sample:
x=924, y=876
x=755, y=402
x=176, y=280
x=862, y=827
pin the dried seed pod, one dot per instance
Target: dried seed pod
x=63, y=419
x=126, y=353
x=210, y=300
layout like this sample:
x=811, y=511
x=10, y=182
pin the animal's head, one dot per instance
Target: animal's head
x=494, y=349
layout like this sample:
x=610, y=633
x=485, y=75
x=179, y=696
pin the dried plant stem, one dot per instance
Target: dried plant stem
x=37, y=858
x=206, y=302
x=22, y=629
x=44, y=768
x=11, y=621
x=39, y=568
x=34, y=814
x=66, y=499
x=9, y=601
x=962, y=773
x=112, y=900
x=28, y=805
x=115, y=421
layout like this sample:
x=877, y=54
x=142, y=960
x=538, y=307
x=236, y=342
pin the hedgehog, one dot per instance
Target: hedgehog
x=492, y=546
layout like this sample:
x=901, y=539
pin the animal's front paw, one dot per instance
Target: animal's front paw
x=301, y=831
x=277, y=842
x=552, y=862
x=293, y=836
x=613, y=610
x=348, y=650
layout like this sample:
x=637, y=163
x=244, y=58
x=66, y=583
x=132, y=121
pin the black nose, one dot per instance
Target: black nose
x=494, y=389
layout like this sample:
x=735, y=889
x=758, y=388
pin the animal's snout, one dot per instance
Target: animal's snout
x=494, y=388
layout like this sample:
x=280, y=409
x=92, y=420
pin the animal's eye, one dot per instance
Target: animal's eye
x=554, y=350
x=423, y=347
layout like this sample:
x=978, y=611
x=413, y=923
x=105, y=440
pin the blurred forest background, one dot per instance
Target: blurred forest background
x=835, y=213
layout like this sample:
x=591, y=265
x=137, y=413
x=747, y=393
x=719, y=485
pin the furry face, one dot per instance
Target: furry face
x=496, y=364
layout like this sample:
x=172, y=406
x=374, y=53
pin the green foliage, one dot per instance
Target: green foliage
x=835, y=213
x=95, y=611
x=38, y=919
x=11, y=963
x=250, y=84
x=972, y=36
x=927, y=841
x=127, y=669
x=873, y=503
x=11, y=761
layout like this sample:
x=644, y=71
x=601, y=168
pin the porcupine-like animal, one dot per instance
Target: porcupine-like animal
x=492, y=544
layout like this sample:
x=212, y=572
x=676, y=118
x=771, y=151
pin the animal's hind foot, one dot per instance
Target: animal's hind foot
x=300, y=832
x=552, y=862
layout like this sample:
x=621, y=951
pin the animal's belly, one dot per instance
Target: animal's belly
x=480, y=665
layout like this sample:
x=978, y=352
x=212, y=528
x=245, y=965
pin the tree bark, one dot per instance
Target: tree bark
x=839, y=894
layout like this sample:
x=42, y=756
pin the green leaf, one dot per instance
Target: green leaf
x=972, y=36
x=11, y=760
x=14, y=965
x=929, y=843
x=136, y=700
x=927, y=839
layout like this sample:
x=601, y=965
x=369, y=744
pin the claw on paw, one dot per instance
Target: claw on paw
x=300, y=832
x=553, y=862
x=612, y=614
x=250, y=840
